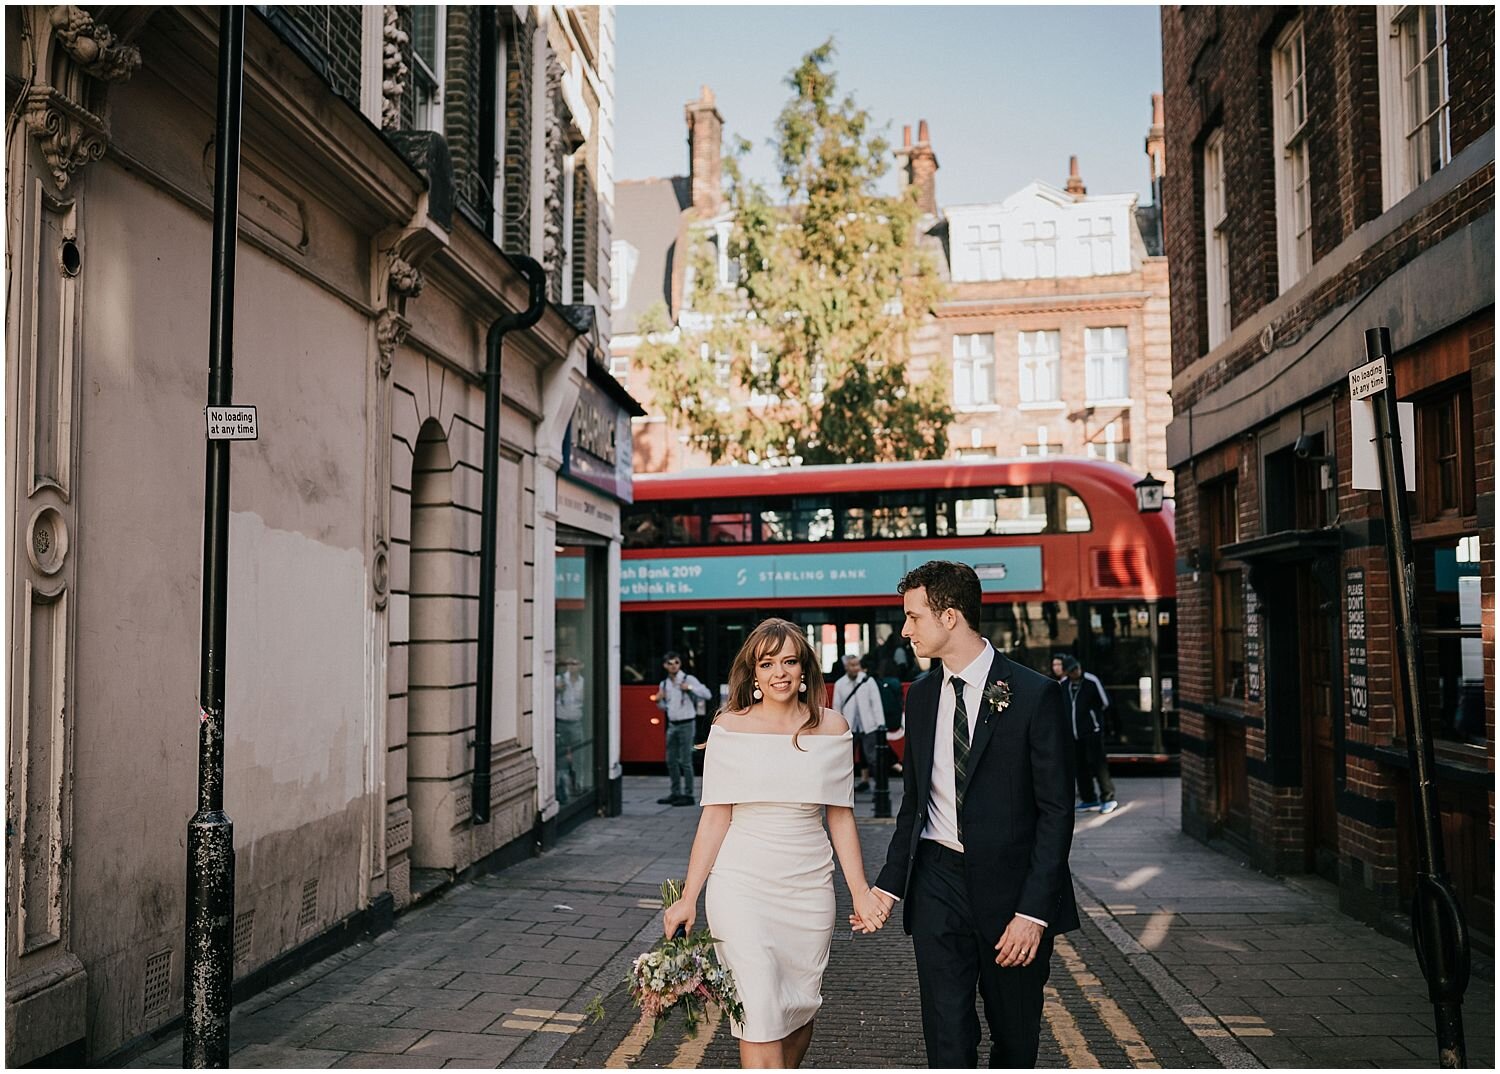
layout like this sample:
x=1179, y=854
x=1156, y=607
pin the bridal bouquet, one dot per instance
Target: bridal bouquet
x=680, y=972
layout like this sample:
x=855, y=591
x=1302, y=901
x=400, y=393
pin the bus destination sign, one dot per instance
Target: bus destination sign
x=1016, y=569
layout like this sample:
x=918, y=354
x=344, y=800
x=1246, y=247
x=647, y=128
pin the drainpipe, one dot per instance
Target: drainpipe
x=484, y=690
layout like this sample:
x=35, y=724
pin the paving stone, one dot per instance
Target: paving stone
x=383, y=1039
x=377, y=1061
x=561, y=971
x=554, y=988
x=355, y=1014
x=443, y=998
x=441, y=1044
x=1370, y=1025
x=280, y=1056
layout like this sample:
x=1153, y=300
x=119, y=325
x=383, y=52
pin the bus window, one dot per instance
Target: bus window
x=1075, y=512
x=800, y=518
x=887, y=516
x=658, y=525
x=1032, y=632
x=1021, y=509
x=730, y=528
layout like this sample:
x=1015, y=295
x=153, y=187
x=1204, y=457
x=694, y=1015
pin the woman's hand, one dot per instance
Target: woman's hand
x=682, y=913
x=870, y=910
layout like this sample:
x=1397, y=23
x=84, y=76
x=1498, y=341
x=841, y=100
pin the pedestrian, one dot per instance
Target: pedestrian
x=980, y=852
x=775, y=773
x=856, y=697
x=892, y=699
x=1088, y=704
x=571, y=688
x=678, y=697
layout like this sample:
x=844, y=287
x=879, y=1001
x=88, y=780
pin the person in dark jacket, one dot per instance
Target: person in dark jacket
x=1087, y=704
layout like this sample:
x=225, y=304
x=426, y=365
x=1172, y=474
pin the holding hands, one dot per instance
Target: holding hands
x=871, y=911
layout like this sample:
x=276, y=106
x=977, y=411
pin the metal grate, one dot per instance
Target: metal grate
x=244, y=932
x=398, y=832
x=158, y=983
x=309, y=912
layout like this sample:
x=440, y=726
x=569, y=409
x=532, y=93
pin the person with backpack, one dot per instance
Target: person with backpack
x=856, y=697
x=1088, y=704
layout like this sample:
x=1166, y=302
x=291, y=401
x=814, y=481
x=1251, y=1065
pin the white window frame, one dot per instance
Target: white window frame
x=429, y=114
x=1112, y=447
x=1106, y=364
x=1404, y=167
x=623, y=258
x=1289, y=123
x=1215, y=239
x=570, y=165
x=1039, y=237
x=619, y=367
x=1040, y=366
x=985, y=253
x=1096, y=240
x=971, y=371
x=497, y=187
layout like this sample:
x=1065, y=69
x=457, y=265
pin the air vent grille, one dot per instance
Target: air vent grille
x=244, y=933
x=1119, y=568
x=308, y=916
x=158, y=983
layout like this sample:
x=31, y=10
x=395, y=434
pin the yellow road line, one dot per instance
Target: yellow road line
x=1115, y=1020
x=1065, y=1031
x=630, y=1049
x=690, y=1052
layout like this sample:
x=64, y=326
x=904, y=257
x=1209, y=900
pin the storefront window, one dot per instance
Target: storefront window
x=1221, y=513
x=580, y=603
x=1448, y=597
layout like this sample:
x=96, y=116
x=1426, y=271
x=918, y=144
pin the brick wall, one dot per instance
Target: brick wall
x=461, y=112
x=337, y=31
x=1471, y=66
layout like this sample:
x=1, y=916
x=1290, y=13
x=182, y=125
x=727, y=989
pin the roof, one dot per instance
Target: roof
x=648, y=215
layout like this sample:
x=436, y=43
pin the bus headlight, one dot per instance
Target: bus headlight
x=1145, y=687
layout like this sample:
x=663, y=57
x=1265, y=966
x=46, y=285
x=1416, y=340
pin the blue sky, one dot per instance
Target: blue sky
x=1008, y=92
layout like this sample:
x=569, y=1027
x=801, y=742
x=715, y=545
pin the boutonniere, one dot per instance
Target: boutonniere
x=997, y=695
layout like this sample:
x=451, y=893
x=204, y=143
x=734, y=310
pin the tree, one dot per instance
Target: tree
x=804, y=358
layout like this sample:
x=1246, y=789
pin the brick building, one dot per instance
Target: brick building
x=1306, y=203
x=1054, y=331
x=1055, y=326
x=394, y=160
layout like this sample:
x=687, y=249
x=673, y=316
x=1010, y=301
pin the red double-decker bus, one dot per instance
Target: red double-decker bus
x=1067, y=562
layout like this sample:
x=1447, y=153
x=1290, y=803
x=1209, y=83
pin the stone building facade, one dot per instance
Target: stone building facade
x=395, y=158
x=1307, y=203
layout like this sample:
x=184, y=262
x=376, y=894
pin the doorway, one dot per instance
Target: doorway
x=1316, y=683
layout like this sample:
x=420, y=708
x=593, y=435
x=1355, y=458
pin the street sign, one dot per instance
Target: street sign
x=232, y=423
x=1367, y=379
x=1365, y=453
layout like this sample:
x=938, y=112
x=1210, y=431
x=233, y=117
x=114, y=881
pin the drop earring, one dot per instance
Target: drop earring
x=756, y=692
x=802, y=687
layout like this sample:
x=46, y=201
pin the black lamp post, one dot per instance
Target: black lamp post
x=1149, y=495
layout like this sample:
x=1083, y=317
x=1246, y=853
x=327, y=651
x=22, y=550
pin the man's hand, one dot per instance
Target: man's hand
x=1018, y=945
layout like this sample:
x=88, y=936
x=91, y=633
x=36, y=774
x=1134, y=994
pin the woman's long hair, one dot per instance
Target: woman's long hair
x=766, y=640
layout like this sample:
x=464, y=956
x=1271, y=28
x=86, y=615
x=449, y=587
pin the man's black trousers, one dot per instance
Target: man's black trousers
x=952, y=957
x=1093, y=765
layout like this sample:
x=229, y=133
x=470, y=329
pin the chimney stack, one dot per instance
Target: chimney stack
x=1156, y=140
x=920, y=165
x=705, y=153
x=1075, y=181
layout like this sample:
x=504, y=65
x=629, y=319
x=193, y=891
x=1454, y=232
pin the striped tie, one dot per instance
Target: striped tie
x=960, y=752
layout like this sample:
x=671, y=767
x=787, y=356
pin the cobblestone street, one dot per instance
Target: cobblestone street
x=1185, y=959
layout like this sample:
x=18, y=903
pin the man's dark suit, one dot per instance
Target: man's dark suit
x=1017, y=829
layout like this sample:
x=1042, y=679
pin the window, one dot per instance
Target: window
x=1096, y=239
x=1221, y=526
x=1043, y=446
x=1415, y=137
x=622, y=261
x=1215, y=239
x=1448, y=606
x=798, y=518
x=1011, y=509
x=727, y=267
x=886, y=515
x=982, y=244
x=1040, y=242
x=1110, y=445
x=619, y=366
x=428, y=47
x=1041, y=367
x=1445, y=459
x=1293, y=213
x=1106, y=364
x=973, y=370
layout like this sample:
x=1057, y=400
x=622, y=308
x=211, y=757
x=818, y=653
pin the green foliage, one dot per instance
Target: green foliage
x=832, y=286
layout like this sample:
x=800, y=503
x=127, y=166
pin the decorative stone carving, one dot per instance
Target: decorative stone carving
x=553, y=255
x=393, y=82
x=390, y=333
x=64, y=117
x=405, y=280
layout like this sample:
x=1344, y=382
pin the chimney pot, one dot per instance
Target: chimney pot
x=1075, y=181
x=906, y=136
x=922, y=132
x=1156, y=110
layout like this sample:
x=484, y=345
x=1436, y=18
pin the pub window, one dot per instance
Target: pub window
x=1445, y=463
x=1221, y=526
x=1448, y=608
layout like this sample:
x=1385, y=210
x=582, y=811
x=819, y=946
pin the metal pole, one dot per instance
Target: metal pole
x=882, y=774
x=536, y=280
x=210, y=840
x=1442, y=936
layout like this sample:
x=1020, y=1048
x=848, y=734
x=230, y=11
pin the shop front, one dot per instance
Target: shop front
x=594, y=481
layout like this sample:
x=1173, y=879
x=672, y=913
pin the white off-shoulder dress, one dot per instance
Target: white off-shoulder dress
x=769, y=896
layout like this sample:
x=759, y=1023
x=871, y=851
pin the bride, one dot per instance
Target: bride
x=776, y=759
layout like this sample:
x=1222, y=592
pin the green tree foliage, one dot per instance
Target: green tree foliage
x=805, y=357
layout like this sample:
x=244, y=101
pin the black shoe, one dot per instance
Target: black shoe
x=683, y=799
x=670, y=799
x=862, y=786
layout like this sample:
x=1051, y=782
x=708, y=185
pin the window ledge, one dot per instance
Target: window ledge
x=1097, y=403
x=978, y=408
x=1055, y=404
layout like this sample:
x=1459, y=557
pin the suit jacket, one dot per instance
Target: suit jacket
x=1018, y=803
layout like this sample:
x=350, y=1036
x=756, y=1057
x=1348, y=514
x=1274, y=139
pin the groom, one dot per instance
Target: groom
x=980, y=854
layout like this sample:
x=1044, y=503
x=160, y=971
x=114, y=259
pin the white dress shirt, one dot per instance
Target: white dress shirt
x=942, y=801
